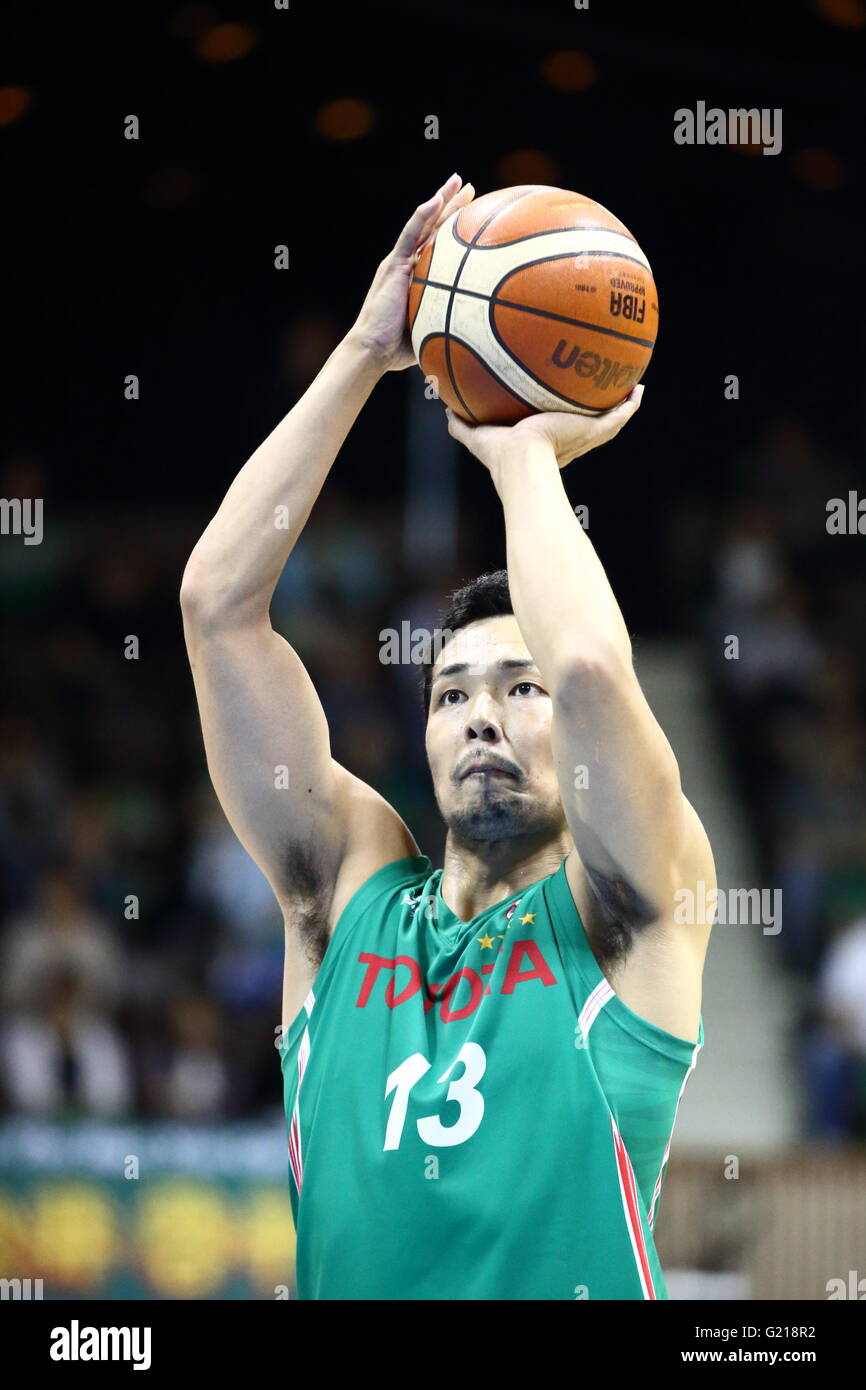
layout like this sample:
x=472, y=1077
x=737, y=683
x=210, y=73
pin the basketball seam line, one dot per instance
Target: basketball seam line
x=549, y=231
x=590, y=410
x=570, y=400
x=545, y=313
x=492, y=373
x=459, y=272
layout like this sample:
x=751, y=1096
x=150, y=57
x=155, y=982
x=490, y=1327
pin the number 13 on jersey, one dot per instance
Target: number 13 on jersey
x=463, y=1090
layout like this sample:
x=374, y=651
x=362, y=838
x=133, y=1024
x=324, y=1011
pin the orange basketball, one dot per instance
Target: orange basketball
x=532, y=298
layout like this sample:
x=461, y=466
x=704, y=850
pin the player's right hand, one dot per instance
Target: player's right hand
x=381, y=327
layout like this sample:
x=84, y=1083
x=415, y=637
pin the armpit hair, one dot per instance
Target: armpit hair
x=624, y=913
x=307, y=899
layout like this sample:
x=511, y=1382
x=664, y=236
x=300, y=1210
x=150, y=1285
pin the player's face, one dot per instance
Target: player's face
x=488, y=736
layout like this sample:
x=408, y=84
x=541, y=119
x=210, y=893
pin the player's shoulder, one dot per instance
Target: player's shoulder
x=696, y=858
x=655, y=962
x=318, y=880
x=376, y=835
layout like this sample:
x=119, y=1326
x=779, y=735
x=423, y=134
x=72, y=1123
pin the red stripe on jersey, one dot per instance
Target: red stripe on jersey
x=628, y=1188
x=297, y=1170
x=295, y=1153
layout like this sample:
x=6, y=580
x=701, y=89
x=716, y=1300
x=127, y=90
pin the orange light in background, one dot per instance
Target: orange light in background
x=191, y=21
x=169, y=186
x=226, y=42
x=14, y=101
x=569, y=71
x=527, y=166
x=847, y=14
x=308, y=340
x=348, y=118
x=751, y=149
x=819, y=169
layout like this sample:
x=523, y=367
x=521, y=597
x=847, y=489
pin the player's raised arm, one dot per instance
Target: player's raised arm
x=635, y=832
x=265, y=732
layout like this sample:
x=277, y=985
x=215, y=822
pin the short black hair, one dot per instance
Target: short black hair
x=488, y=596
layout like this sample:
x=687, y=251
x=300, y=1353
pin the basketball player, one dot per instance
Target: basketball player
x=482, y=1063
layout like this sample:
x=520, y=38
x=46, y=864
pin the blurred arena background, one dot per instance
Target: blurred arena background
x=142, y=1148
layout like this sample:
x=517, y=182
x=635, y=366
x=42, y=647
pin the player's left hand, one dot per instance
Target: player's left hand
x=568, y=435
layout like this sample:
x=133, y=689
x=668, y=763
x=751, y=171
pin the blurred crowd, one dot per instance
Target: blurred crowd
x=780, y=601
x=140, y=946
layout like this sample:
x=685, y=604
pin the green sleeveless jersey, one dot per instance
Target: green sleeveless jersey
x=472, y=1111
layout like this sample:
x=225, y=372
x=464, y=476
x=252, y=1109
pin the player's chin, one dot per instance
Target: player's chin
x=485, y=823
x=490, y=791
x=494, y=814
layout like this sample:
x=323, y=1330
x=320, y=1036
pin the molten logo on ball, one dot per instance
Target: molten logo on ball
x=505, y=270
x=603, y=371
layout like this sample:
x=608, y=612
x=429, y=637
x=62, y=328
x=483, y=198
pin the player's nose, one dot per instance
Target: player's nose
x=482, y=719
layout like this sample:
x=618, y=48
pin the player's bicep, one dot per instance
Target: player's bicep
x=268, y=748
x=620, y=788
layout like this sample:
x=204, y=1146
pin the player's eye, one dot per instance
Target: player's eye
x=443, y=698
x=525, y=686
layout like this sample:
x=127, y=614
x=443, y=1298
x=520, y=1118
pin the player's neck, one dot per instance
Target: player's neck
x=475, y=876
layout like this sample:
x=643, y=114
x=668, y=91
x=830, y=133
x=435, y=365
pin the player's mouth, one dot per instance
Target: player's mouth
x=487, y=767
